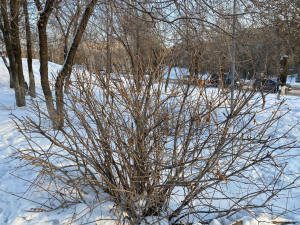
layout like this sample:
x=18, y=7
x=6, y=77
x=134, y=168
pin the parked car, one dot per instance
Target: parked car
x=266, y=85
x=214, y=80
x=227, y=81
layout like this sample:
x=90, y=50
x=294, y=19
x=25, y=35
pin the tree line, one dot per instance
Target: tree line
x=192, y=33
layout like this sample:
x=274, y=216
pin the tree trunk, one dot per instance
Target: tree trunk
x=66, y=70
x=12, y=42
x=283, y=75
x=298, y=69
x=43, y=44
x=5, y=28
x=65, y=56
x=16, y=45
x=74, y=21
x=44, y=70
x=29, y=52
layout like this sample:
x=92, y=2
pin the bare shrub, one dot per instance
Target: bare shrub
x=176, y=152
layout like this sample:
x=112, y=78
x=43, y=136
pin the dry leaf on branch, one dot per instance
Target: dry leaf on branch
x=200, y=83
x=220, y=175
x=199, y=119
x=192, y=186
x=207, y=118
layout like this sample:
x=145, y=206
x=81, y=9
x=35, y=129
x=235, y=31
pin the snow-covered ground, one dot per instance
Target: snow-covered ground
x=14, y=203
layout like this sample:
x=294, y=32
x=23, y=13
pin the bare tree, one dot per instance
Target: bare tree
x=45, y=10
x=67, y=67
x=29, y=50
x=68, y=20
x=10, y=30
x=284, y=72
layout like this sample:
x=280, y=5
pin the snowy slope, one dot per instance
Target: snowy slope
x=13, y=202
